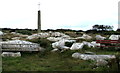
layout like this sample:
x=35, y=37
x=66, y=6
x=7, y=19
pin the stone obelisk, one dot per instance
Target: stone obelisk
x=39, y=19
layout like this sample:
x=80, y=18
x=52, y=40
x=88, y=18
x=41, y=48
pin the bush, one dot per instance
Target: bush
x=85, y=47
x=8, y=36
x=68, y=44
x=26, y=32
x=80, y=40
x=43, y=43
x=87, y=40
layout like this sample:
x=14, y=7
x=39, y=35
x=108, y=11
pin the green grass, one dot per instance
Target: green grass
x=49, y=62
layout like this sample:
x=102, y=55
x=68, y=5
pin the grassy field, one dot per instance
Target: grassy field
x=55, y=61
x=49, y=61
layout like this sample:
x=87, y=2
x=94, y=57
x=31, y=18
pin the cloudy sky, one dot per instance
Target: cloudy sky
x=66, y=14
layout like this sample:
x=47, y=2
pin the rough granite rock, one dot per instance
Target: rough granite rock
x=19, y=42
x=92, y=57
x=99, y=37
x=100, y=60
x=61, y=44
x=49, y=35
x=11, y=54
x=76, y=46
x=114, y=37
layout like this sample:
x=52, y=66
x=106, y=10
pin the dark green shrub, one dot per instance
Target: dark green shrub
x=87, y=40
x=68, y=44
x=43, y=43
x=8, y=36
x=85, y=47
x=80, y=40
x=26, y=32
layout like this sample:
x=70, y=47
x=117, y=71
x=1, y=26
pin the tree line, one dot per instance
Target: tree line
x=102, y=27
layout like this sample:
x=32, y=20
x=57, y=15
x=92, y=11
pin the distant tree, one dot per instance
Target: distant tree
x=102, y=27
x=108, y=28
x=95, y=27
x=118, y=30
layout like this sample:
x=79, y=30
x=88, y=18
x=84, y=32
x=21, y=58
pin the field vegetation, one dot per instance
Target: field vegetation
x=59, y=61
x=49, y=61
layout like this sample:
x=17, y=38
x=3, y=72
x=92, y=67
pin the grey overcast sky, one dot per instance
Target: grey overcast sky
x=55, y=14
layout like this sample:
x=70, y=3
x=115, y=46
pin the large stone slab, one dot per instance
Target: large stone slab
x=11, y=54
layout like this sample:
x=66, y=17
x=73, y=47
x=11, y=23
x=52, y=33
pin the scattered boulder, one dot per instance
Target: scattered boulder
x=54, y=50
x=18, y=42
x=101, y=62
x=16, y=33
x=56, y=34
x=99, y=37
x=76, y=55
x=23, y=35
x=44, y=35
x=91, y=44
x=32, y=36
x=88, y=44
x=11, y=54
x=58, y=44
x=90, y=53
x=114, y=37
x=85, y=36
x=66, y=36
x=15, y=38
x=76, y=46
x=92, y=57
x=54, y=39
x=95, y=44
x=19, y=34
x=39, y=35
x=51, y=35
x=61, y=44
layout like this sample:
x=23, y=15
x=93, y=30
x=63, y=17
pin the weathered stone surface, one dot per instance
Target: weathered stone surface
x=91, y=44
x=114, y=37
x=76, y=46
x=54, y=39
x=18, y=42
x=61, y=44
x=39, y=35
x=11, y=54
x=92, y=57
x=101, y=62
x=54, y=50
x=90, y=53
x=84, y=36
x=48, y=34
x=99, y=37
x=16, y=38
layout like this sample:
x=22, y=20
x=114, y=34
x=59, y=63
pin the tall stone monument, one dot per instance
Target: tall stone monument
x=39, y=19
